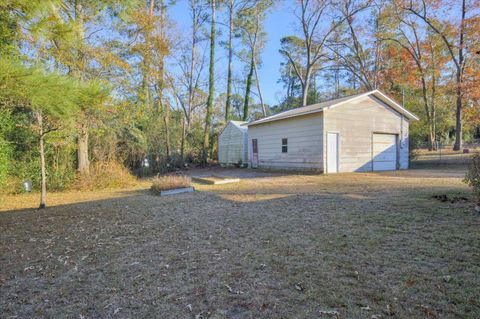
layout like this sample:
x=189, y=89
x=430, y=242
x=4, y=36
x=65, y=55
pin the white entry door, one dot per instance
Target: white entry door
x=384, y=152
x=332, y=152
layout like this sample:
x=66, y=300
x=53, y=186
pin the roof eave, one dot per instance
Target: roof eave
x=262, y=121
x=382, y=96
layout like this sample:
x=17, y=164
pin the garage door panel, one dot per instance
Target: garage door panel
x=377, y=149
x=384, y=166
x=384, y=152
x=385, y=157
x=384, y=138
x=391, y=150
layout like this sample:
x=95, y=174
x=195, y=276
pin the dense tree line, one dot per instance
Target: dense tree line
x=84, y=83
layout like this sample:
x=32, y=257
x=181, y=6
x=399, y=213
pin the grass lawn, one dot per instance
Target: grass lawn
x=364, y=245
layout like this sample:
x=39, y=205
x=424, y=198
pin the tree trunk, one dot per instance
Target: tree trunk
x=230, y=59
x=247, y=92
x=43, y=193
x=82, y=139
x=434, y=127
x=166, y=121
x=305, y=88
x=191, y=79
x=208, y=118
x=459, y=123
x=259, y=90
x=378, y=50
x=434, y=109
x=82, y=149
x=182, y=142
x=431, y=138
x=291, y=83
x=161, y=86
x=166, y=113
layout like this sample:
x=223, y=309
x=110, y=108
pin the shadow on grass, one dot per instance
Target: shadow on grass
x=72, y=197
x=141, y=255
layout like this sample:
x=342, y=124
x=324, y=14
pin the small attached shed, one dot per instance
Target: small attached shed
x=358, y=133
x=233, y=144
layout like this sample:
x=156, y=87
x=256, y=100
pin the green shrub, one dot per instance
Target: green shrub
x=5, y=154
x=473, y=175
x=6, y=125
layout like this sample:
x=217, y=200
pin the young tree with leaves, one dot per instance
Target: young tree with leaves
x=53, y=100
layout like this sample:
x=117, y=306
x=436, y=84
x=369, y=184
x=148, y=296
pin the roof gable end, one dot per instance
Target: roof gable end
x=320, y=107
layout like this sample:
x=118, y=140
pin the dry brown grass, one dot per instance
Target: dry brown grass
x=446, y=151
x=279, y=246
x=167, y=182
x=105, y=175
x=9, y=202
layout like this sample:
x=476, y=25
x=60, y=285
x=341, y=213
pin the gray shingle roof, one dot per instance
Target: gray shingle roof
x=319, y=107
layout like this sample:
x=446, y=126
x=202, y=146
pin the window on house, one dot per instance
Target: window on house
x=284, y=145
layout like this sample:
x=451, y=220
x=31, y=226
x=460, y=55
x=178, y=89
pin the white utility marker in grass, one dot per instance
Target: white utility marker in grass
x=215, y=180
x=177, y=191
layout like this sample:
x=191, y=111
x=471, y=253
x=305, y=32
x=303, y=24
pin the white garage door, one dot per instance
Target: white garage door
x=384, y=152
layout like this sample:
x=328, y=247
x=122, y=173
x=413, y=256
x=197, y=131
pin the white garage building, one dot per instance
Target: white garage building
x=363, y=132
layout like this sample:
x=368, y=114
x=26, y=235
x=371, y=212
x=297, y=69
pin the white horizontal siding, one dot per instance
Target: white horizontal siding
x=304, y=134
x=404, y=146
x=232, y=145
x=356, y=122
x=245, y=148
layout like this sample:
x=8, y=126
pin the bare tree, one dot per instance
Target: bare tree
x=350, y=52
x=186, y=88
x=231, y=17
x=251, y=21
x=306, y=52
x=233, y=8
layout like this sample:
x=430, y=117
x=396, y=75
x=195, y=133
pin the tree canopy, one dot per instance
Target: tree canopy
x=121, y=82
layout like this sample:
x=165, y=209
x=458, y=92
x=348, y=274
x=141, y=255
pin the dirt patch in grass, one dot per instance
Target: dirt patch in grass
x=282, y=246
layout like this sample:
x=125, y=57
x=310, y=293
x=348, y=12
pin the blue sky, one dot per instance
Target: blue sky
x=280, y=22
